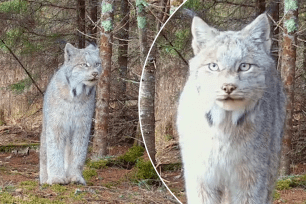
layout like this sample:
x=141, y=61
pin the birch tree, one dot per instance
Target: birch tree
x=103, y=87
x=147, y=84
x=288, y=76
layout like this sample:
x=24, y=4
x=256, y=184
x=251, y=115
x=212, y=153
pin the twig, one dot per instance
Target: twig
x=180, y=55
x=129, y=80
x=22, y=67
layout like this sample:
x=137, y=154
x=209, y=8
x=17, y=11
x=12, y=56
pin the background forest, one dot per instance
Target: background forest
x=173, y=51
x=32, y=40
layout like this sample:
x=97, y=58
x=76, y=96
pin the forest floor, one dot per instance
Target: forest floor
x=19, y=174
x=290, y=190
x=19, y=177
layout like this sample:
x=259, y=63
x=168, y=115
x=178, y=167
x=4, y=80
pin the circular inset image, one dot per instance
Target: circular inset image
x=212, y=103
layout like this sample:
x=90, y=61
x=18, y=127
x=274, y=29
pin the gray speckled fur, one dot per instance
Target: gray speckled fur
x=69, y=104
x=231, y=152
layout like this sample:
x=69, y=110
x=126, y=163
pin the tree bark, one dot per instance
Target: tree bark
x=288, y=77
x=81, y=23
x=147, y=85
x=123, y=35
x=103, y=87
x=146, y=109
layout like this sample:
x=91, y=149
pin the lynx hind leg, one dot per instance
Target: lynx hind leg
x=43, y=175
x=78, y=147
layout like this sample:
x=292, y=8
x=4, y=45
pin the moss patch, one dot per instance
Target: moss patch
x=172, y=167
x=145, y=170
x=290, y=5
x=107, y=25
x=132, y=154
x=291, y=182
x=89, y=173
x=28, y=185
x=58, y=188
x=141, y=21
x=100, y=164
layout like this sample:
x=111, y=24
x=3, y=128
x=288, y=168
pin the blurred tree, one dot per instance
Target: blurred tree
x=94, y=17
x=81, y=23
x=260, y=6
x=123, y=36
x=274, y=8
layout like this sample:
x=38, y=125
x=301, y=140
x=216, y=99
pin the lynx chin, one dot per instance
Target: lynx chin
x=69, y=104
x=231, y=115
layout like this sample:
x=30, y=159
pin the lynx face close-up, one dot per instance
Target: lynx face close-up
x=233, y=65
x=231, y=115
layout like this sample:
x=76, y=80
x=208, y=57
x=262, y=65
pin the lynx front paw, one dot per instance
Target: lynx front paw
x=77, y=180
x=57, y=180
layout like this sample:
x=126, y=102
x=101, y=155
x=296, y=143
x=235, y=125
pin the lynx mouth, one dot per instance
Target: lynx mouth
x=93, y=80
x=228, y=98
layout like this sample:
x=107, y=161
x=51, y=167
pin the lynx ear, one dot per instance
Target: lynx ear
x=70, y=50
x=201, y=33
x=259, y=31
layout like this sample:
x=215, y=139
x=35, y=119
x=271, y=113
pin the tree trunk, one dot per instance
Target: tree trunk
x=147, y=85
x=123, y=35
x=260, y=6
x=81, y=23
x=146, y=109
x=275, y=32
x=103, y=87
x=288, y=76
x=94, y=17
x=138, y=137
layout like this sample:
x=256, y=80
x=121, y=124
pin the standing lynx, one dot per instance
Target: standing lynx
x=231, y=115
x=69, y=104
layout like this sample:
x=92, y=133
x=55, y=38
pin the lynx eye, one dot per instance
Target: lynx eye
x=213, y=66
x=244, y=67
x=86, y=65
x=97, y=64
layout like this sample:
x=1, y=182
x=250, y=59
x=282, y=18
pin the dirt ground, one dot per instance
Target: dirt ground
x=175, y=182
x=110, y=185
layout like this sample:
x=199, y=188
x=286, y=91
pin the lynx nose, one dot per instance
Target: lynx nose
x=228, y=88
x=95, y=74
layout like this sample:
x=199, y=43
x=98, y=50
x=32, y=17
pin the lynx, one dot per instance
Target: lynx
x=231, y=115
x=68, y=109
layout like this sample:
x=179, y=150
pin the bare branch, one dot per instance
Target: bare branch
x=22, y=66
x=180, y=55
